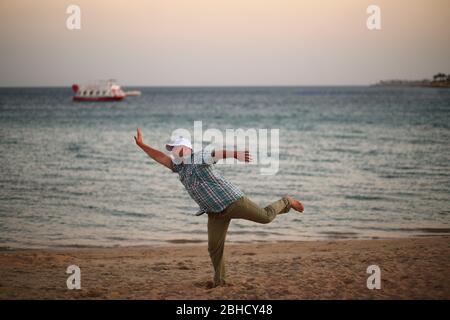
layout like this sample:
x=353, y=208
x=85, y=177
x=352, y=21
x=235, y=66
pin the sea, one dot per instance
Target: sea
x=367, y=162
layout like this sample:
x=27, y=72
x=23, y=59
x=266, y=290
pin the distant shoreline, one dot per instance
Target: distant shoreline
x=440, y=80
x=411, y=84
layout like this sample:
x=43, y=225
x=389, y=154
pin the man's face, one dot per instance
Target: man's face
x=181, y=151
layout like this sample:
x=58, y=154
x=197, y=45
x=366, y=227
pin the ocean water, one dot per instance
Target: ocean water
x=366, y=162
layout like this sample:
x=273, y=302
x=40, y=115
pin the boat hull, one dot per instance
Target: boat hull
x=97, y=99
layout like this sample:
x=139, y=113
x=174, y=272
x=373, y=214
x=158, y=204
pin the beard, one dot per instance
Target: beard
x=179, y=160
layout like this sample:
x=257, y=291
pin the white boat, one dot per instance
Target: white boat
x=104, y=91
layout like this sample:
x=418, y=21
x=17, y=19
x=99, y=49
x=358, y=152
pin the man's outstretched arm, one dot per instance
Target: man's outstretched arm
x=243, y=156
x=156, y=155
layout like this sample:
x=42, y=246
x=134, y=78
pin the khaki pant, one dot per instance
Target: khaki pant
x=218, y=224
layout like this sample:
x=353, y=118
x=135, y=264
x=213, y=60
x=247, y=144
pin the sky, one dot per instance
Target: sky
x=222, y=42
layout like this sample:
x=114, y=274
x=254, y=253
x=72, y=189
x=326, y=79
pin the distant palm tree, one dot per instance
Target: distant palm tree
x=440, y=77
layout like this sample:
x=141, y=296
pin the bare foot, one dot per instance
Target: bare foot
x=296, y=205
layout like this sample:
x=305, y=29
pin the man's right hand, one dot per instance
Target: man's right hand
x=138, y=138
x=156, y=155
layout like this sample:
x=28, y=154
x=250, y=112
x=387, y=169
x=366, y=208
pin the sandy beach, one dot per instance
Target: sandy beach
x=416, y=268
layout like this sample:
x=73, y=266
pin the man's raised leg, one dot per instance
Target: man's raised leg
x=244, y=208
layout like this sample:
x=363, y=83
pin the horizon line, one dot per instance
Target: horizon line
x=203, y=86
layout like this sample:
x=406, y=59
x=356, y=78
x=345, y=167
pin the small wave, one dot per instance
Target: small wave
x=412, y=174
x=435, y=230
x=342, y=150
x=81, y=156
x=412, y=230
x=78, y=246
x=116, y=238
x=326, y=160
x=116, y=212
x=391, y=176
x=345, y=137
x=13, y=142
x=73, y=147
x=130, y=214
x=7, y=249
x=340, y=235
x=183, y=241
x=427, y=235
x=352, y=219
x=363, y=197
x=372, y=152
x=253, y=232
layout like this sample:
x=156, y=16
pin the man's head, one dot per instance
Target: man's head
x=180, y=147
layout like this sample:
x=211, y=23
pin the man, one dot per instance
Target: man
x=216, y=196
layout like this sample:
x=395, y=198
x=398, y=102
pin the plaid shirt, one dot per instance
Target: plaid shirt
x=205, y=184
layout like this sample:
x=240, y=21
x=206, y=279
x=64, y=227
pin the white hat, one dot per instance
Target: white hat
x=180, y=141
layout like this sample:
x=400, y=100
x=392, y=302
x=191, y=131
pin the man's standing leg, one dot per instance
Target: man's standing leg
x=217, y=232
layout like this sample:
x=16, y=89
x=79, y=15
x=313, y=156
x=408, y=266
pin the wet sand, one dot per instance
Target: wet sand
x=417, y=268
